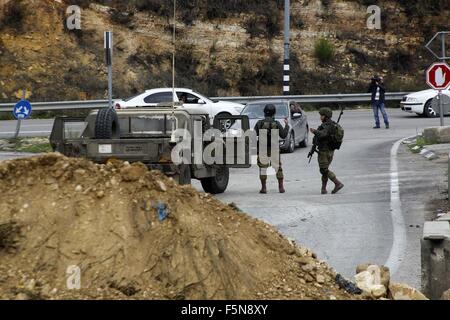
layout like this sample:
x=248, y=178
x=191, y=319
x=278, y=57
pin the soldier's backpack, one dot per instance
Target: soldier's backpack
x=336, y=136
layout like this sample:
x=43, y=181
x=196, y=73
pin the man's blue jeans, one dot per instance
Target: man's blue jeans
x=379, y=106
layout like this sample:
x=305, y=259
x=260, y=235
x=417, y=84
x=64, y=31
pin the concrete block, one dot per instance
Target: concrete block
x=445, y=217
x=436, y=230
x=435, y=257
x=434, y=135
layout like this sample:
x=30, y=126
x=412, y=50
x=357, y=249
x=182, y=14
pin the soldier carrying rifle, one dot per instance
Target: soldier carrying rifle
x=327, y=138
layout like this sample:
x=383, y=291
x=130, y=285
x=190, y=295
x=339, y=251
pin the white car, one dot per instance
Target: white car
x=420, y=102
x=151, y=98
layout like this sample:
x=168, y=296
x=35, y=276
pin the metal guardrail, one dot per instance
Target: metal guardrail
x=327, y=98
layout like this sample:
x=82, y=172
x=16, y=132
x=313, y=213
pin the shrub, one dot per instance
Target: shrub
x=14, y=14
x=323, y=51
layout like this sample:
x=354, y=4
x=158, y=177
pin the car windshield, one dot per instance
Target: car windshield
x=256, y=111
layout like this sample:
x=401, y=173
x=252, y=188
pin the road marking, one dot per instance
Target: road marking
x=398, y=222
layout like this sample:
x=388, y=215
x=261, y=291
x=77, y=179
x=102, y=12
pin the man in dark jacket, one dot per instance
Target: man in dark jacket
x=378, y=92
x=269, y=126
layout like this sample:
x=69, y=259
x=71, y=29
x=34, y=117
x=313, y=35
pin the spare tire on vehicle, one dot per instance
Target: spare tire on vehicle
x=107, y=124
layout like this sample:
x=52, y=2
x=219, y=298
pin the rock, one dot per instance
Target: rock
x=379, y=291
x=22, y=296
x=385, y=273
x=446, y=295
x=100, y=194
x=31, y=285
x=370, y=282
x=162, y=186
x=400, y=291
x=320, y=279
x=78, y=188
x=133, y=172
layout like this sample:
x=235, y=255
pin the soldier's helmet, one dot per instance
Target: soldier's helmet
x=270, y=110
x=327, y=112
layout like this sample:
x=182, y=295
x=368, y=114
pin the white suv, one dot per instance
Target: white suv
x=190, y=99
x=420, y=102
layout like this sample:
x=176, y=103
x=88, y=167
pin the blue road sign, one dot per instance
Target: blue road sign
x=22, y=110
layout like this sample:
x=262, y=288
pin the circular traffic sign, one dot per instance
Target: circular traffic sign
x=22, y=110
x=438, y=76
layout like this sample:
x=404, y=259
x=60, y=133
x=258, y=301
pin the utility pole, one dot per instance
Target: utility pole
x=286, y=66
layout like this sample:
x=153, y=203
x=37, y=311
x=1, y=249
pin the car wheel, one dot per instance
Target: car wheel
x=291, y=146
x=218, y=183
x=304, y=143
x=429, y=111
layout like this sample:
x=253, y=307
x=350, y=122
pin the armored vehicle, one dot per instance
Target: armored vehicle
x=150, y=136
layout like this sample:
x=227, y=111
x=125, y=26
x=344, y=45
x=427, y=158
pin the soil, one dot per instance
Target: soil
x=57, y=213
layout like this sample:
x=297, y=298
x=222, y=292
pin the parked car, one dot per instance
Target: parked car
x=190, y=99
x=298, y=121
x=420, y=102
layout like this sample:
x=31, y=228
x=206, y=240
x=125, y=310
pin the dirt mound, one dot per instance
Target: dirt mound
x=135, y=233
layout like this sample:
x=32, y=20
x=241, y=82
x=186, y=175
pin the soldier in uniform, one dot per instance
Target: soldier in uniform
x=326, y=153
x=264, y=162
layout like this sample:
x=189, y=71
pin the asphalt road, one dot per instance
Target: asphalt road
x=353, y=227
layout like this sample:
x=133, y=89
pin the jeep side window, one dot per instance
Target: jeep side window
x=159, y=97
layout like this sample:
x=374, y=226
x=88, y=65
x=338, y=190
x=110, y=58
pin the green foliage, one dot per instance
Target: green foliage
x=323, y=51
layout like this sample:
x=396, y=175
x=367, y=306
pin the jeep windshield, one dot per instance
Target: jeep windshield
x=256, y=111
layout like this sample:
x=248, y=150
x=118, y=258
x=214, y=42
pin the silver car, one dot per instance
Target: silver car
x=298, y=121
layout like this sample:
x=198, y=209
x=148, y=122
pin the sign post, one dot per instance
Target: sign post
x=438, y=78
x=108, y=58
x=22, y=110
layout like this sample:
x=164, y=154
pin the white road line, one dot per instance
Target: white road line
x=398, y=222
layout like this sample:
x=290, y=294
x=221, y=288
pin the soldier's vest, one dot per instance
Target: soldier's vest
x=269, y=126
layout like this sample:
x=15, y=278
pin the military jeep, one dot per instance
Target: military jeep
x=148, y=135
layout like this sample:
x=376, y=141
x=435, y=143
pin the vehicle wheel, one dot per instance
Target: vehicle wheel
x=228, y=123
x=107, y=124
x=184, y=178
x=218, y=183
x=291, y=147
x=304, y=143
x=428, y=110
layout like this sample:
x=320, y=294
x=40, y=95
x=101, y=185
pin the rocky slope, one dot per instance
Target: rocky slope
x=223, y=48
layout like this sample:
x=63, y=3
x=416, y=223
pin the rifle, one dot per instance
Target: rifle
x=314, y=147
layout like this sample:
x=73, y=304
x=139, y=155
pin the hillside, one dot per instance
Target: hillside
x=223, y=48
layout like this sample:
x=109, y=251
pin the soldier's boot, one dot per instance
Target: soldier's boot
x=324, y=186
x=263, y=186
x=338, y=185
x=281, y=185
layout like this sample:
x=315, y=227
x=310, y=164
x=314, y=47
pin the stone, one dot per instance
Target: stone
x=133, y=172
x=436, y=230
x=446, y=295
x=22, y=296
x=78, y=188
x=435, y=135
x=100, y=194
x=162, y=186
x=384, y=271
x=400, y=291
x=379, y=291
x=320, y=279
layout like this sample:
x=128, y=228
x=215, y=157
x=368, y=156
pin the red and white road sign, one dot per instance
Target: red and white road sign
x=438, y=76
